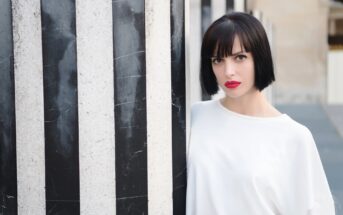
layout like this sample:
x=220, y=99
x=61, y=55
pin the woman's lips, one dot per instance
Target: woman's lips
x=232, y=84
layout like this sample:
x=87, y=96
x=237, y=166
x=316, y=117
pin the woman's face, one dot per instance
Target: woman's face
x=235, y=73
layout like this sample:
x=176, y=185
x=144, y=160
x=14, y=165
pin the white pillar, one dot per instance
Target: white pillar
x=218, y=8
x=268, y=91
x=239, y=5
x=96, y=107
x=194, y=38
x=28, y=72
x=158, y=83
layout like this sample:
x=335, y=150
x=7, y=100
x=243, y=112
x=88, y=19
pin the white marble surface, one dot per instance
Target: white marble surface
x=29, y=107
x=158, y=75
x=96, y=107
x=239, y=5
x=194, y=37
x=218, y=9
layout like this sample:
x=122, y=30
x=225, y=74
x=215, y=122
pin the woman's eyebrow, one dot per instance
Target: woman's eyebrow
x=237, y=53
x=234, y=54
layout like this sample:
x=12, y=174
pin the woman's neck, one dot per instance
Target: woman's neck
x=251, y=104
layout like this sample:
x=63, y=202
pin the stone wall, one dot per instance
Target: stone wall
x=300, y=48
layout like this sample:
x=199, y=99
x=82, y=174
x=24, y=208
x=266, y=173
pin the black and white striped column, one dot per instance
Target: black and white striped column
x=93, y=107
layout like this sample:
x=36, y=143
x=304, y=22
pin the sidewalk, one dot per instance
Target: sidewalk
x=335, y=113
x=326, y=125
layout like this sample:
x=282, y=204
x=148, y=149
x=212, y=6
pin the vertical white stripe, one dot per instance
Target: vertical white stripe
x=218, y=8
x=268, y=91
x=96, y=106
x=29, y=106
x=158, y=74
x=239, y=5
x=187, y=67
x=194, y=50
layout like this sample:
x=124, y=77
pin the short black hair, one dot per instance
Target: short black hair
x=220, y=36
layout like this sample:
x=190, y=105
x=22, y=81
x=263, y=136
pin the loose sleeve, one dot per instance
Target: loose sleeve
x=306, y=187
x=194, y=110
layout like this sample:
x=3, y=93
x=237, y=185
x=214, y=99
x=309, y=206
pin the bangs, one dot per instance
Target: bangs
x=221, y=39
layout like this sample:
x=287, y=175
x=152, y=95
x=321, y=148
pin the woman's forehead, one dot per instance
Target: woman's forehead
x=229, y=49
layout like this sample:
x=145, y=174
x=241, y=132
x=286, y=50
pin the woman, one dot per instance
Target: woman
x=244, y=156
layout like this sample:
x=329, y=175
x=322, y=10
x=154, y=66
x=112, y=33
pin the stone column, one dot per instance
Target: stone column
x=93, y=107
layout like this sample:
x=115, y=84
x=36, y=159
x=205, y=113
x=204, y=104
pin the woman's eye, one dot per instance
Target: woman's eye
x=240, y=57
x=216, y=60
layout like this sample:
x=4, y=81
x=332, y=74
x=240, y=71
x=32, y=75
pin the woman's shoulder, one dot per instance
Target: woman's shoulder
x=202, y=104
x=202, y=110
x=297, y=131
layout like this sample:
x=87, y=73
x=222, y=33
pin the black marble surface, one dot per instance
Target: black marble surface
x=230, y=5
x=60, y=107
x=62, y=208
x=130, y=107
x=206, y=20
x=8, y=169
x=178, y=106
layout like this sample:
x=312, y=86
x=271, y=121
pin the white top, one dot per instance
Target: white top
x=245, y=165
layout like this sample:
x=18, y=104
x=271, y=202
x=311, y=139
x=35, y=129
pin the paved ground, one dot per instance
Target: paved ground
x=326, y=125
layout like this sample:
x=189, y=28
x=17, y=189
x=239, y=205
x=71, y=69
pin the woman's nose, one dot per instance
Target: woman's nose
x=229, y=69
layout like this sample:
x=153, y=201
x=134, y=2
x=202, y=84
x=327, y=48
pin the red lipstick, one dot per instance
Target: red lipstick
x=232, y=84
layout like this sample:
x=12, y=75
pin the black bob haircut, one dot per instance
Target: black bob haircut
x=220, y=36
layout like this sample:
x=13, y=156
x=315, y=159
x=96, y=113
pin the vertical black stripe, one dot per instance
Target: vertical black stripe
x=8, y=166
x=206, y=15
x=206, y=19
x=230, y=5
x=60, y=107
x=130, y=107
x=178, y=105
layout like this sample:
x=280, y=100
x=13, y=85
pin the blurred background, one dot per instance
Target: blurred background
x=306, y=38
